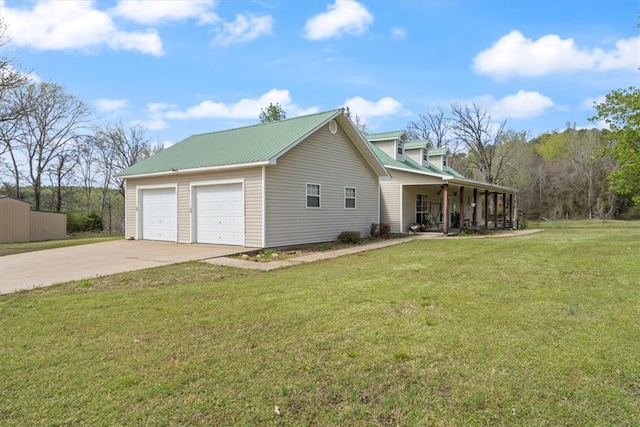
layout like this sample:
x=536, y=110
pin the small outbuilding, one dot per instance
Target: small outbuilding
x=18, y=223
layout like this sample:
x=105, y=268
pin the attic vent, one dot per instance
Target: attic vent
x=333, y=126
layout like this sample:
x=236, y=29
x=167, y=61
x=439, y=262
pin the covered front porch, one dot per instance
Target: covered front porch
x=447, y=208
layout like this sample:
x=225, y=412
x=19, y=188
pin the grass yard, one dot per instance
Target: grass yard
x=538, y=330
x=18, y=248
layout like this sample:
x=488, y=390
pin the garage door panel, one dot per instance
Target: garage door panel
x=219, y=214
x=159, y=214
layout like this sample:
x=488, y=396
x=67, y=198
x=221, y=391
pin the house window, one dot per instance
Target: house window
x=313, y=195
x=349, y=198
x=400, y=148
x=422, y=209
x=425, y=156
x=444, y=161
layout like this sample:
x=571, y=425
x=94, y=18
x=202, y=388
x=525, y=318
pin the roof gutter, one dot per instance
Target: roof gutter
x=483, y=185
x=444, y=177
x=196, y=170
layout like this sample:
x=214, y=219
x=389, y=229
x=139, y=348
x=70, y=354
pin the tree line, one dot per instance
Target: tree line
x=580, y=173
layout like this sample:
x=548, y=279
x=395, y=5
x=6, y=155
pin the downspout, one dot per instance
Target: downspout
x=445, y=209
x=263, y=237
x=401, y=210
x=379, y=201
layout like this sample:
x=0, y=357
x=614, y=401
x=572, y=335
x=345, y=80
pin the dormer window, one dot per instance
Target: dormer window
x=444, y=161
x=399, y=150
x=425, y=158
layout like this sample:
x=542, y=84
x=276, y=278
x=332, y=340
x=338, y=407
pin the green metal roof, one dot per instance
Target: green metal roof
x=438, y=151
x=241, y=146
x=408, y=164
x=449, y=174
x=453, y=172
x=384, y=135
x=423, y=143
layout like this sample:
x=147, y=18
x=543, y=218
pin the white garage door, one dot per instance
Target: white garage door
x=159, y=214
x=219, y=214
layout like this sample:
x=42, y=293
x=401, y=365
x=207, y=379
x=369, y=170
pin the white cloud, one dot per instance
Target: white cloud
x=53, y=25
x=589, y=103
x=156, y=112
x=522, y=105
x=625, y=56
x=398, y=33
x=342, y=17
x=151, y=124
x=514, y=55
x=246, y=108
x=106, y=105
x=243, y=29
x=154, y=12
x=366, y=109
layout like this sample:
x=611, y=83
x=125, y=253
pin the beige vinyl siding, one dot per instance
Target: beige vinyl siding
x=333, y=162
x=47, y=226
x=390, y=195
x=415, y=154
x=398, y=198
x=14, y=221
x=389, y=147
x=252, y=178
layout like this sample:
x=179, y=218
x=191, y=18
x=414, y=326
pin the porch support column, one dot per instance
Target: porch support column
x=504, y=210
x=474, y=205
x=445, y=209
x=495, y=210
x=486, y=209
x=461, y=207
x=511, y=220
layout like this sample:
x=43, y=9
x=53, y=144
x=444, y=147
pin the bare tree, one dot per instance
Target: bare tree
x=49, y=129
x=432, y=126
x=10, y=160
x=88, y=167
x=60, y=173
x=120, y=148
x=482, y=138
x=590, y=169
x=360, y=124
x=10, y=81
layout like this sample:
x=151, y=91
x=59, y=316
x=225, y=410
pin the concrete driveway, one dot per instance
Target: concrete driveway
x=45, y=268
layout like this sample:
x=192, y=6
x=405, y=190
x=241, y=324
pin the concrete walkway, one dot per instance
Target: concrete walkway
x=316, y=256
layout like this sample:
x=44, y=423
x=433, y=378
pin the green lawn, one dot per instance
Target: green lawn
x=541, y=330
x=17, y=248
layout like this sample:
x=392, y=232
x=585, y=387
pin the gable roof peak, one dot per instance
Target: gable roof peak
x=268, y=124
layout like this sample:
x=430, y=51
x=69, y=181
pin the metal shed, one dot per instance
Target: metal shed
x=18, y=223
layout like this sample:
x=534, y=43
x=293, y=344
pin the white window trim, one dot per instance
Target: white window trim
x=425, y=199
x=307, y=195
x=355, y=198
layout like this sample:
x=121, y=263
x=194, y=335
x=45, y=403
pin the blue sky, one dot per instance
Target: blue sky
x=186, y=66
